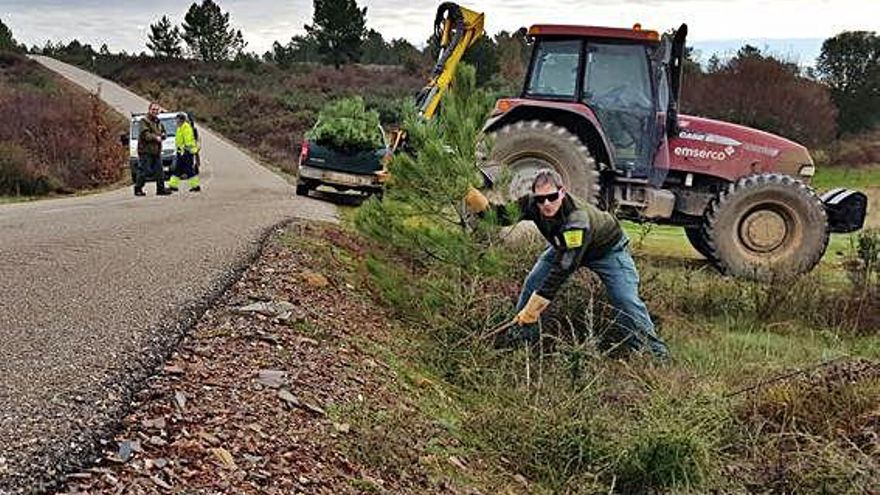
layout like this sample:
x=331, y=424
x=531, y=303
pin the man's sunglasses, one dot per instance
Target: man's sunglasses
x=546, y=198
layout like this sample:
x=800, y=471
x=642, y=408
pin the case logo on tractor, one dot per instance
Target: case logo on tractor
x=708, y=138
x=717, y=155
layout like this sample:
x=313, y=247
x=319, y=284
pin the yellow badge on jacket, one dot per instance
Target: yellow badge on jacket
x=573, y=238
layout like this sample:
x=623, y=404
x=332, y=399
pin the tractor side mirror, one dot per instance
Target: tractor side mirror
x=123, y=139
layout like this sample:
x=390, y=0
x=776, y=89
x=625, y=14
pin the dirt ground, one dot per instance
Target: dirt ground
x=246, y=404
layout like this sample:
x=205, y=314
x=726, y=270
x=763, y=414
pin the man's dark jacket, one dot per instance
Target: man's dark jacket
x=151, y=128
x=578, y=234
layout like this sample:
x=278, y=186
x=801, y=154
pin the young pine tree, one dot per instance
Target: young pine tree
x=419, y=217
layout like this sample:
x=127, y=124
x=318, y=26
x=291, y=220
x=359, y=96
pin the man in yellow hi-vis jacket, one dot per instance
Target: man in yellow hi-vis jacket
x=187, y=149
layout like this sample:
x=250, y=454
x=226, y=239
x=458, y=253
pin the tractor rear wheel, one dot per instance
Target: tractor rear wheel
x=522, y=148
x=766, y=227
x=697, y=238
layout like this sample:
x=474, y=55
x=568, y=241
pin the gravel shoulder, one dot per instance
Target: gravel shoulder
x=272, y=390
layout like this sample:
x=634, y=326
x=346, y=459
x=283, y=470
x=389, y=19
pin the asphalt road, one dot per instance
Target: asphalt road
x=95, y=290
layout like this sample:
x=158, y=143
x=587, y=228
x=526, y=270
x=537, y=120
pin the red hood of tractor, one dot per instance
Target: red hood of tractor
x=730, y=151
x=703, y=146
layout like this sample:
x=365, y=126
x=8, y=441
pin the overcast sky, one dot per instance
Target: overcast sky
x=789, y=27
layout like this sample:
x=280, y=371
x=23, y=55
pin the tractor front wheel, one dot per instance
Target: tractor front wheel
x=766, y=227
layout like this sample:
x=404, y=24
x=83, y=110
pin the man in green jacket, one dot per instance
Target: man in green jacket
x=579, y=235
x=187, y=149
x=149, y=149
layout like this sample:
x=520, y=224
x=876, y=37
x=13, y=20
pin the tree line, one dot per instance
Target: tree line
x=840, y=95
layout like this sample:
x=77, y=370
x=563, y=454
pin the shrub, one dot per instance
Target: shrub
x=556, y=437
x=856, y=151
x=346, y=124
x=762, y=92
x=863, y=265
x=19, y=175
x=69, y=137
x=816, y=432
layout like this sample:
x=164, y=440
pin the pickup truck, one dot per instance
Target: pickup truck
x=342, y=170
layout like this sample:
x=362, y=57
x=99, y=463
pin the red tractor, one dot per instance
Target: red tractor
x=600, y=105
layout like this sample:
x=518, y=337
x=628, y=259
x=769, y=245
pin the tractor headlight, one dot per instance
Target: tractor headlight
x=807, y=171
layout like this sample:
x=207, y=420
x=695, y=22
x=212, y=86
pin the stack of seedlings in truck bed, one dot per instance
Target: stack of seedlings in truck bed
x=347, y=125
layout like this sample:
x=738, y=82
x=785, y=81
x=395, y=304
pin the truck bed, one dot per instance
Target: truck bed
x=363, y=162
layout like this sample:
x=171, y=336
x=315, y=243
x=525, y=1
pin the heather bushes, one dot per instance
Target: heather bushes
x=856, y=151
x=52, y=137
x=20, y=174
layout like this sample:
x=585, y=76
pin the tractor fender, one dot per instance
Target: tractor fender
x=576, y=118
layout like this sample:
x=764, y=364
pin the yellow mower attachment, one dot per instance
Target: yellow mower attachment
x=456, y=29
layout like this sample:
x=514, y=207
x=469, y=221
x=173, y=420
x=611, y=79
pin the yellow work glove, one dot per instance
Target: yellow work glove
x=532, y=310
x=475, y=201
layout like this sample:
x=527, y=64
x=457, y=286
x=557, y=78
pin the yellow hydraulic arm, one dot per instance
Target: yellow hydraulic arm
x=456, y=29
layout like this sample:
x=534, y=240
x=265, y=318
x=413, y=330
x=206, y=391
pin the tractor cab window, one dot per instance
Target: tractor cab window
x=555, y=69
x=617, y=86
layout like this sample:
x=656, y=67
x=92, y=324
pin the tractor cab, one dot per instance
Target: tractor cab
x=622, y=77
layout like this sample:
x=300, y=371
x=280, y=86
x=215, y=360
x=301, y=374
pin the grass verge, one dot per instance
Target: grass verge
x=563, y=416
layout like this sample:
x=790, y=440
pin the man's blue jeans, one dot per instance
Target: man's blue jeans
x=621, y=279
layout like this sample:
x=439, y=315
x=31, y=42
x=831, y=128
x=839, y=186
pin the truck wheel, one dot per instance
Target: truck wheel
x=697, y=238
x=766, y=227
x=522, y=148
x=302, y=189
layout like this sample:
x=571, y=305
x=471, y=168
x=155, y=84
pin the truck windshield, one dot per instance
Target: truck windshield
x=169, y=123
x=555, y=69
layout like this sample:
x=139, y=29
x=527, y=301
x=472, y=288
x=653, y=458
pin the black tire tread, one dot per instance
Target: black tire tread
x=697, y=237
x=744, y=186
